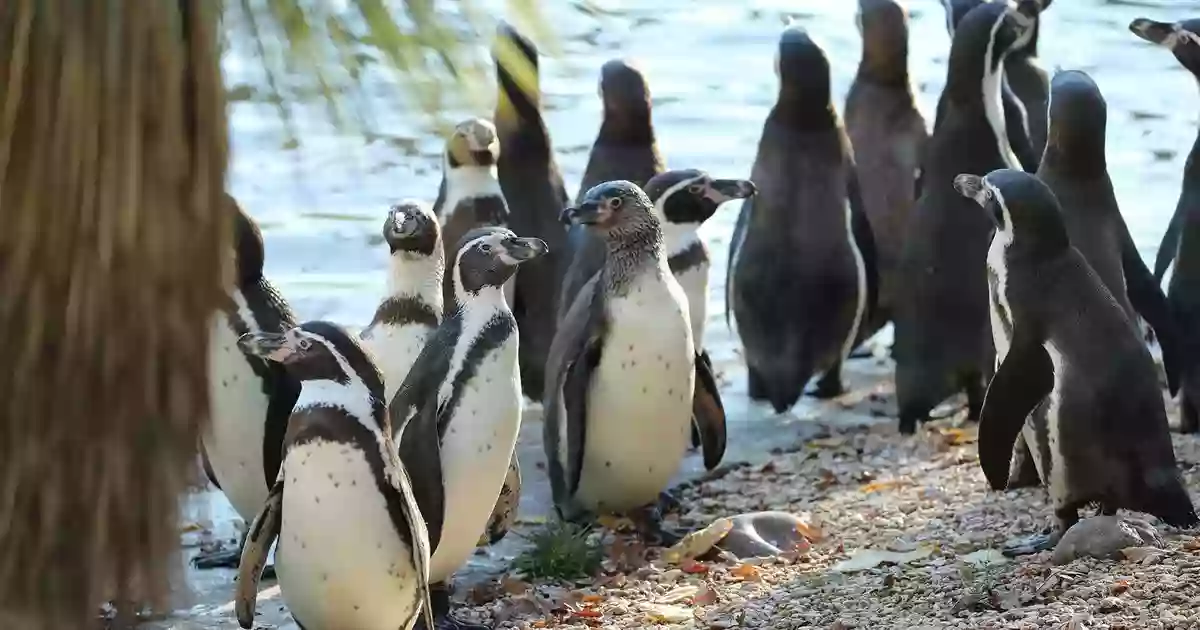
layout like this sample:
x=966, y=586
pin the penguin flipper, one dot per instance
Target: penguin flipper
x=423, y=378
x=574, y=354
x=735, y=244
x=420, y=450
x=1024, y=379
x=708, y=413
x=1169, y=247
x=864, y=238
x=1148, y=300
x=208, y=471
x=283, y=391
x=261, y=535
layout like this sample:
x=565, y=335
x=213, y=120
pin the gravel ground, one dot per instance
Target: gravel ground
x=903, y=534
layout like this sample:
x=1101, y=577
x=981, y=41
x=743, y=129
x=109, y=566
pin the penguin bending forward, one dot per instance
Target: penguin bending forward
x=942, y=343
x=470, y=195
x=251, y=399
x=625, y=149
x=411, y=313
x=621, y=371
x=533, y=187
x=683, y=200
x=1181, y=243
x=465, y=389
x=802, y=277
x=354, y=535
x=1101, y=435
x=888, y=134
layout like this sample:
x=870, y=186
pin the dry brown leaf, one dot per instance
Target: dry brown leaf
x=747, y=572
x=1118, y=587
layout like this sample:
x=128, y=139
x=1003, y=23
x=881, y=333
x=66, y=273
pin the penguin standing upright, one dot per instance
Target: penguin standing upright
x=1102, y=434
x=942, y=340
x=354, y=536
x=470, y=195
x=888, y=134
x=1029, y=80
x=1075, y=169
x=534, y=190
x=801, y=278
x=683, y=200
x=625, y=149
x=621, y=371
x=465, y=388
x=1016, y=114
x=1181, y=243
x=250, y=398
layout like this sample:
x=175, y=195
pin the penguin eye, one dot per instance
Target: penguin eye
x=486, y=248
x=696, y=189
x=614, y=203
x=305, y=344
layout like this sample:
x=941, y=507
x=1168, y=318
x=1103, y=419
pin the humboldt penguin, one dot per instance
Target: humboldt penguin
x=1102, y=435
x=1029, y=80
x=888, y=134
x=470, y=195
x=534, y=189
x=1076, y=171
x=621, y=372
x=1181, y=243
x=625, y=149
x=1016, y=114
x=465, y=388
x=251, y=399
x=942, y=340
x=353, y=533
x=683, y=200
x=802, y=276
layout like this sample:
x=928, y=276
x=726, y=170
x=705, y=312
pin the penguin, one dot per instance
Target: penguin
x=250, y=399
x=942, y=342
x=1075, y=170
x=625, y=149
x=1100, y=434
x=1029, y=81
x=888, y=133
x=1181, y=243
x=802, y=277
x=621, y=372
x=465, y=388
x=683, y=200
x=353, y=534
x=1016, y=112
x=533, y=187
x=470, y=195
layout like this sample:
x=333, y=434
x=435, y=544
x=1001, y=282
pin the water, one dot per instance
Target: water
x=711, y=74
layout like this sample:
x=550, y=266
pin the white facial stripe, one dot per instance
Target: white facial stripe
x=1179, y=36
x=993, y=108
x=995, y=193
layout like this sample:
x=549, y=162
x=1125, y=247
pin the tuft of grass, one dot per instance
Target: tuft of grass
x=560, y=551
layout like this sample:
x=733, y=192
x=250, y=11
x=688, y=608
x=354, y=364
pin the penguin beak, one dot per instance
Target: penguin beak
x=586, y=213
x=722, y=190
x=522, y=249
x=403, y=224
x=272, y=346
x=1151, y=31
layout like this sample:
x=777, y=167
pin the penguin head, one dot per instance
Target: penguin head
x=884, y=28
x=956, y=10
x=1077, y=116
x=488, y=256
x=249, y=252
x=516, y=71
x=802, y=65
x=686, y=198
x=316, y=351
x=610, y=206
x=623, y=88
x=1181, y=38
x=473, y=142
x=412, y=228
x=1023, y=209
x=989, y=32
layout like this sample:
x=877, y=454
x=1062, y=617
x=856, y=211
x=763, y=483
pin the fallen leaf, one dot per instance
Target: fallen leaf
x=513, y=586
x=665, y=613
x=871, y=558
x=1118, y=587
x=587, y=613
x=698, y=542
x=1143, y=555
x=1006, y=599
x=1192, y=545
x=829, y=442
x=747, y=572
x=876, y=486
x=985, y=557
x=591, y=598
x=693, y=567
x=679, y=594
x=706, y=596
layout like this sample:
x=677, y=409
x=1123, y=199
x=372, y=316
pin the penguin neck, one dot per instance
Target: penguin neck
x=417, y=275
x=519, y=119
x=678, y=237
x=885, y=64
x=1081, y=156
x=634, y=250
x=470, y=181
x=627, y=126
x=806, y=110
x=481, y=304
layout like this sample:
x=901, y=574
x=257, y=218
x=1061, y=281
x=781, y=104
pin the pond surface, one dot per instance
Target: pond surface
x=710, y=69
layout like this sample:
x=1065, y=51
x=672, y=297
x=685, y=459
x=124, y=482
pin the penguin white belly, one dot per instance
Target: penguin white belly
x=999, y=309
x=640, y=398
x=234, y=439
x=340, y=561
x=695, y=285
x=1056, y=482
x=477, y=449
x=395, y=349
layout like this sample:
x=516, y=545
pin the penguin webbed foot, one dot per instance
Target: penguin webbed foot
x=668, y=503
x=830, y=384
x=1033, y=544
x=439, y=599
x=650, y=527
